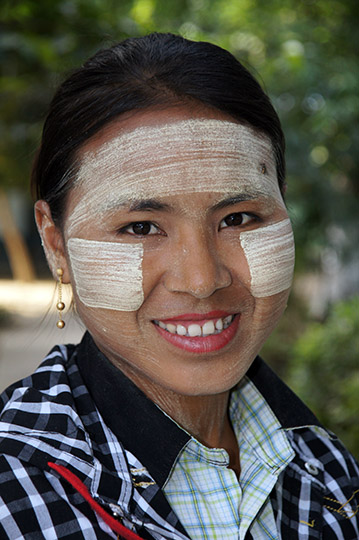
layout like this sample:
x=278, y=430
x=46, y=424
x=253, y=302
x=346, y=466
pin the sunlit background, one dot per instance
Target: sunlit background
x=305, y=55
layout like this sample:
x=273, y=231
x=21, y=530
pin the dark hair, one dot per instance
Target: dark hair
x=139, y=73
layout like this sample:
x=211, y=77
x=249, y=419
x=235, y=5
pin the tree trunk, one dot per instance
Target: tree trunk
x=17, y=252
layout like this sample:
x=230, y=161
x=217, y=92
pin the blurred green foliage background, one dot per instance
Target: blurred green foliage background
x=305, y=55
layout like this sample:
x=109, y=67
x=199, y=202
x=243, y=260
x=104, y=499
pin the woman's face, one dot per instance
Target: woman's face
x=178, y=247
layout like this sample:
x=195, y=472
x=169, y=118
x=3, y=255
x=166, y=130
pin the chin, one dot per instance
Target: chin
x=207, y=381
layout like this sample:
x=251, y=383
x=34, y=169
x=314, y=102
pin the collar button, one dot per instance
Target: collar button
x=312, y=469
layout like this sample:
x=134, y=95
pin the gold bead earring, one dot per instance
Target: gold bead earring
x=60, y=306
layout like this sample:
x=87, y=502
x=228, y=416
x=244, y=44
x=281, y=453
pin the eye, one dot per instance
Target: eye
x=140, y=228
x=235, y=220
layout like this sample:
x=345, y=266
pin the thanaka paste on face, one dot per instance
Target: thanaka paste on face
x=270, y=256
x=107, y=274
x=156, y=161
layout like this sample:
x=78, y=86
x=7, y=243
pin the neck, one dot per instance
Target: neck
x=205, y=417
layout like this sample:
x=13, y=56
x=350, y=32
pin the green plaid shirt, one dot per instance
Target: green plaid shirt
x=205, y=493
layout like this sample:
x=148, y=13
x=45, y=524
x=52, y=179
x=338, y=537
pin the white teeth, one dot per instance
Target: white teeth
x=194, y=330
x=181, y=330
x=219, y=324
x=208, y=328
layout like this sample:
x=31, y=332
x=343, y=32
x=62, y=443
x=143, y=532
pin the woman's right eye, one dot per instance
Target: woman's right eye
x=140, y=228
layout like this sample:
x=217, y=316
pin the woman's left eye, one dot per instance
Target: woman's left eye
x=141, y=228
x=236, y=219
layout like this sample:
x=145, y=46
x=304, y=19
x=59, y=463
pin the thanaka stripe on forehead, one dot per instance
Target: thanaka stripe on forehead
x=190, y=155
x=179, y=158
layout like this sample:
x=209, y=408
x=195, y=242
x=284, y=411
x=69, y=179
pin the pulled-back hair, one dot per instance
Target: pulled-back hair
x=138, y=73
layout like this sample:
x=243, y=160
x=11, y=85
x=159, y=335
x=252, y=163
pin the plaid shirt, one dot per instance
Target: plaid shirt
x=65, y=472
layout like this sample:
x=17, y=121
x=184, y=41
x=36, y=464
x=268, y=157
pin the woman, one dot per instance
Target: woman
x=160, y=184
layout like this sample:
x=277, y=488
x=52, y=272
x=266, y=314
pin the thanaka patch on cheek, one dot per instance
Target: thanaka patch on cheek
x=107, y=274
x=270, y=255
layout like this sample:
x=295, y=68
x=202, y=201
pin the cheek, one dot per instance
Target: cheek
x=107, y=274
x=270, y=255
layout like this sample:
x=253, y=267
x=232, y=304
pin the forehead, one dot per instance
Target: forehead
x=192, y=155
x=172, y=159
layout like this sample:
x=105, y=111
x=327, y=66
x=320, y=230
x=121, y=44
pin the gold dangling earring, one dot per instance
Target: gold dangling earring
x=60, y=306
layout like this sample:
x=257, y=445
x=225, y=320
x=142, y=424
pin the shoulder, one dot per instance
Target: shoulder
x=323, y=477
x=39, y=415
x=49, y=389
x=51, y=372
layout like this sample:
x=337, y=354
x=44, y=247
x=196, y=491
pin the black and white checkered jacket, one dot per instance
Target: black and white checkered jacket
x=65, y=472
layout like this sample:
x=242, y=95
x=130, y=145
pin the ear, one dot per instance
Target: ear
x=52, y=240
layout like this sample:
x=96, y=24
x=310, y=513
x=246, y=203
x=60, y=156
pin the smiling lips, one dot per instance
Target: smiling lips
x=199, y=332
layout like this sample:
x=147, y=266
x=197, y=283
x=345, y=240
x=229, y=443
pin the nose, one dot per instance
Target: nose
x=197, y=268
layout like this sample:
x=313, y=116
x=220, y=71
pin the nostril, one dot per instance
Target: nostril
x=200, y=281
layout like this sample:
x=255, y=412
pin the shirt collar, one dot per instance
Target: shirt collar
x=288, y=408
x=257, y=428
x=135, y=420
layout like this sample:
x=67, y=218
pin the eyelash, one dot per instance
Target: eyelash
x=236, y=215
x=140, y=223
x=153, y=229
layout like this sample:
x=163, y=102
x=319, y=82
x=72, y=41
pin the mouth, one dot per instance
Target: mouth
x=199, y=332
x=195, y=329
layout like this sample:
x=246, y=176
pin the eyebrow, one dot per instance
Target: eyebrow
x=230, y=201
x=148, y=205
